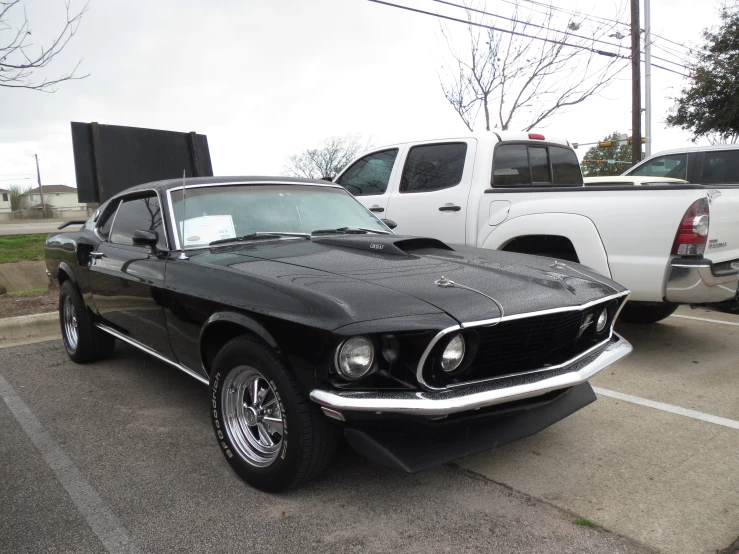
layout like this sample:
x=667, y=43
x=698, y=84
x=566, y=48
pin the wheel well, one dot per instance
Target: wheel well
x=62, y=277
x=552, y=246
x=215, y=338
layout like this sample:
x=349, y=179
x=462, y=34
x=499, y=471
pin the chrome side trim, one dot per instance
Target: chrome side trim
x=495, y=321
x=171, y=206
x=151, y=352
x=431, y=404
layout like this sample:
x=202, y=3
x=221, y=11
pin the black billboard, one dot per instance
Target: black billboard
x=110, y=158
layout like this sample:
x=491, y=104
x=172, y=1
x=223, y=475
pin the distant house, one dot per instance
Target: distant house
x=59, y=198
x=4, y=201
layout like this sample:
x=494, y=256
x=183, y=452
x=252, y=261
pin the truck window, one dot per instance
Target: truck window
x=433, y=167
x=370, y=174
x=565, y=167
x=721, y=166
x=511, y=166
x=674, y=165
x=539, y=160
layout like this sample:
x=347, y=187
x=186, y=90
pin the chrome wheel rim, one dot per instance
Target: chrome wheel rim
x=252, y=416
x=70, y=323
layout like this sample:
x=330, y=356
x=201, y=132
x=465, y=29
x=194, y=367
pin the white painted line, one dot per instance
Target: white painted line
x=705, y=319
x=669, y=408
x=100, y=519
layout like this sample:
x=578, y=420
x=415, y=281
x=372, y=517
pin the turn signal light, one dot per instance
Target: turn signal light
x=692, y=235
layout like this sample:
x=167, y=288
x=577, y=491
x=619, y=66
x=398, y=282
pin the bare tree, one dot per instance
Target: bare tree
x=531, y=69
x=327, y=159
x=21, y=59
x=15, y=192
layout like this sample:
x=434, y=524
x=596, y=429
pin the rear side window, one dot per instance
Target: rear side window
x=370, y=174
x=138, y=214
x=516, y=165
x=720, y=167
x=433, y=167
x=674, y=165
x=106, y=219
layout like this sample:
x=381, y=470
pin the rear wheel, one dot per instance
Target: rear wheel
x=270, y=434
x=647, y=312
x=82, y=340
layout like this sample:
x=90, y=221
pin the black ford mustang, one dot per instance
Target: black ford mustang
x=308, y=317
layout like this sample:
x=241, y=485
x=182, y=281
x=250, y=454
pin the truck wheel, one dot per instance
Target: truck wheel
x=270, y=434
x=82, y=340
x=647, y=312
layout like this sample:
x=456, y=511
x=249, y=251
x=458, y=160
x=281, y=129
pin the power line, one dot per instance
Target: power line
x=517, y=33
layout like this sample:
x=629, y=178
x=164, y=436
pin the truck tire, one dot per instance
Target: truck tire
x=82, y=340
x=269, y=432
x=647, y=312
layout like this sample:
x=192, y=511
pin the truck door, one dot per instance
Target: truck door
x=431, y=198
x=368, y=179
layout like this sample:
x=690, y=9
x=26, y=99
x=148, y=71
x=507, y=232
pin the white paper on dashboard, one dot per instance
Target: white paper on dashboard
x=207, y=228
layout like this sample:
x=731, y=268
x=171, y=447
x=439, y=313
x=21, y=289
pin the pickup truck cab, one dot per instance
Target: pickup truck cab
x=670, y=244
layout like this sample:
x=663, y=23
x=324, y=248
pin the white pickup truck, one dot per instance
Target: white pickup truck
x=669, y=244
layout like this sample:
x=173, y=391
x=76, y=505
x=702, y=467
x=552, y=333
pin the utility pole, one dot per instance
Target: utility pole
x=40, y=188
x=648, y=77
x=635, y=84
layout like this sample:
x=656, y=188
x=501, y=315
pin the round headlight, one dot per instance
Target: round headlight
x=602, y=321
x=356, y=357
x=453, y=354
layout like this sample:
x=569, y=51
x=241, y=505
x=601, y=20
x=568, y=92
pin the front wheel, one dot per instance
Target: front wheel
x=647, y=312
x=270, y=434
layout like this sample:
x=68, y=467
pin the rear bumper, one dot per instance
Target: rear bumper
x=435, y=404
x=697, y=282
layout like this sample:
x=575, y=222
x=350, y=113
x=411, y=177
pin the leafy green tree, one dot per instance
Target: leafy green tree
x=16, y=191
x=709, y=106
x=603, y=161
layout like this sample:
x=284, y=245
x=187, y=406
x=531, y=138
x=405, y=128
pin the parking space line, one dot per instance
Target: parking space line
x=669, y=408
x=706, y=319
x=98, y=516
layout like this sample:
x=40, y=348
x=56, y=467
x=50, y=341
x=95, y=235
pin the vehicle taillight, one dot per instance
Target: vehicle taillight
x=692, y=234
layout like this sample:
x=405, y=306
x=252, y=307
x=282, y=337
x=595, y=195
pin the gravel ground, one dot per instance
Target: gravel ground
x=138, y=433
x=12, y=306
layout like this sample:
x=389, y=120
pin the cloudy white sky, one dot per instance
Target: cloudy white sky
x=268, y=78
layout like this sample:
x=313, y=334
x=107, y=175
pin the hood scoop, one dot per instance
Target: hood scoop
x=384, y=244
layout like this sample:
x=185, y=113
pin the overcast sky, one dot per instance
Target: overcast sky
x=268, y=78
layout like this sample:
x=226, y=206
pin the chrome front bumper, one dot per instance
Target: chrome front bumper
x=696, y=282
x=467, y=398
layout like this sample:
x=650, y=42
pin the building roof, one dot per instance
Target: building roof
x=3, y=190
x=49, y=189
x=40, y=207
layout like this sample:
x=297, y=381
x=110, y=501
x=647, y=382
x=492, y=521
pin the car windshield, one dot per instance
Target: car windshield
x=214, y=213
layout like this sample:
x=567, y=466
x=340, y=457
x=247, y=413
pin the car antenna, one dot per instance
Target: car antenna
x=183, y=256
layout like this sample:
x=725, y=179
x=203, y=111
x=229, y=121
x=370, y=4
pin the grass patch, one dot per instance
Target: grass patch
x=27, y=292
x=21, y=248
x=584, y=522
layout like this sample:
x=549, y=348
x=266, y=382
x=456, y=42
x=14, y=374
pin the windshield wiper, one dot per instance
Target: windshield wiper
x=257, y=236
x=349, y=230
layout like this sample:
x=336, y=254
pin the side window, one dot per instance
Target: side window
x=511, y=166
x=138, y=214
x=5, y=197
x=721, y=166
x=565, y=167
x=370, y=174
x=433, y=167
x=674, y=165
x=106, y=219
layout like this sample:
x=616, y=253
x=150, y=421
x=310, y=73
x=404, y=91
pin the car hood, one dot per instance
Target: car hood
x=390, y=264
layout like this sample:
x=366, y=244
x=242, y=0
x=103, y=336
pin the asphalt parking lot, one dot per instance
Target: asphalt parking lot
x=119, y=456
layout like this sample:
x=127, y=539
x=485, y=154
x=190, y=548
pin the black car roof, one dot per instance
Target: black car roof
x=162, y=186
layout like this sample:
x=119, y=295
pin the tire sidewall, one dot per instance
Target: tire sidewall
x=67, y=291
x=281, y=472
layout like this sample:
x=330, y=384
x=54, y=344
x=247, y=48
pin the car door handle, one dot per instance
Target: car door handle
x=97, y=255
x=376, y=209
x=449, y=208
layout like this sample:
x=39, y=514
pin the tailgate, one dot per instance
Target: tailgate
x=723, y=232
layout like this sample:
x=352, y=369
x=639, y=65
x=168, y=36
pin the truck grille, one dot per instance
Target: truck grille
x=522, y=345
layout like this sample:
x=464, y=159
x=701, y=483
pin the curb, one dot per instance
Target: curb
x=25, y=326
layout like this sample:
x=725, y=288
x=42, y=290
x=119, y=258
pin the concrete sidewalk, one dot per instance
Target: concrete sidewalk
x=30, y=227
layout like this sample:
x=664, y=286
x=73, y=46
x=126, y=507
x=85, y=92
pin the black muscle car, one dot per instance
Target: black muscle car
x=308, y=317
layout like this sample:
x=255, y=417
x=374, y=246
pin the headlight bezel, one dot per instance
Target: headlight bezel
x=345, y=373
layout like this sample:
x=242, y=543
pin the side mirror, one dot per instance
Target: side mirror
x=390, y=223
x=144, y=238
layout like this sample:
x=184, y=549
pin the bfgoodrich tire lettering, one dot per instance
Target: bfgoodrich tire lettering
x=82, y=340
x=303, y=439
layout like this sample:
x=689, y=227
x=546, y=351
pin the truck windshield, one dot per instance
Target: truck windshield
x=211, y=213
